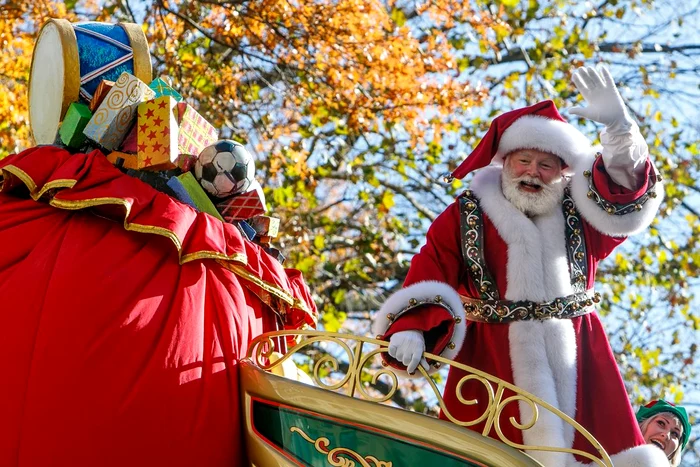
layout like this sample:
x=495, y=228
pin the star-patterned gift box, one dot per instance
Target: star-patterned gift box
x=184, y=162
x=244, y=206
x=156, y=133
x=196, y=133
x=115, y=115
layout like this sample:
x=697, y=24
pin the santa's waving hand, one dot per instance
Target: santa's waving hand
x=504, y=282
x=624, y=149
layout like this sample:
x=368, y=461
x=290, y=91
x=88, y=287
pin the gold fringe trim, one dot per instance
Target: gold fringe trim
x=221, y=258
x=149, y=229
x=36, y=194
x=271, y=289
x=23, y=176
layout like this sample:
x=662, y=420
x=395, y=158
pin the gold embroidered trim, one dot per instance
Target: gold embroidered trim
x=56, y=184
x=575, y=244
x=615, y=209
x=472, y=243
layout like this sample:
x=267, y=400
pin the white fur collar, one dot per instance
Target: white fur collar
x=538, y=268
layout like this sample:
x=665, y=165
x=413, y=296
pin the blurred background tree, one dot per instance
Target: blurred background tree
x=354, y=109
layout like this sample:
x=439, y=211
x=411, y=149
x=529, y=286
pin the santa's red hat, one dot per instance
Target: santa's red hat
x=539, y=127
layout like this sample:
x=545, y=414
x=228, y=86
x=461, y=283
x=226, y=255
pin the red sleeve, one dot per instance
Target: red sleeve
x=440, y=259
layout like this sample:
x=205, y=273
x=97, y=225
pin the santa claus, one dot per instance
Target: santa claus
x=505, y=281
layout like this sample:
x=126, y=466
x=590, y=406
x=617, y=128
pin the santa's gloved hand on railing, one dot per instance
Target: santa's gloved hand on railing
x=407, y=347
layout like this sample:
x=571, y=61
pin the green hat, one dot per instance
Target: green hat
x=661, y=406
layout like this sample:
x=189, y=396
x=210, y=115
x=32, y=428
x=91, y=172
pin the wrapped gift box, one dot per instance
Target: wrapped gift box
x=196, y=133
x=244, y=206
x=247, y=230
x=71, y=132
x=275, y=253
x=265, y=225
x=161, y=88
x=115, y=116
x=184, y=162
x=264, y=240
x=100, y=93
x=123, y=159
x=130, y=141
x=181, y=192
x=198, y=195
x=156, y=132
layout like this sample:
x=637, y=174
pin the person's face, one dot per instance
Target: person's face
x=664, y=430
x=541, y=167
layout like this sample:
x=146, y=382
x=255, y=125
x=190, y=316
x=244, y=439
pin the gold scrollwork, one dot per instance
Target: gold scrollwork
x=262, y=347
x=359, y=377
x=375, y=375
x=334, y=455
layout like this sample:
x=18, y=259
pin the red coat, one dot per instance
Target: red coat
x=566, y=362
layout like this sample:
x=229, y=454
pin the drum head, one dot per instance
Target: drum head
x=54, y=79
x=64, y=60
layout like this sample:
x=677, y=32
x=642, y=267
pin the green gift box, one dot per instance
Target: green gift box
x=161, y=88
x=198, y=195
x=75, y=121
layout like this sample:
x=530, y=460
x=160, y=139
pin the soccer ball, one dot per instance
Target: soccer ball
x=225, y=168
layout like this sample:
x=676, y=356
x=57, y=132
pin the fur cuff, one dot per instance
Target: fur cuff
x=424, y=293
x=639, y=456
x=614, y=225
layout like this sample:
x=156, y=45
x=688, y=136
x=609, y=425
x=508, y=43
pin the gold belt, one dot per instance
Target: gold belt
x=505, y=311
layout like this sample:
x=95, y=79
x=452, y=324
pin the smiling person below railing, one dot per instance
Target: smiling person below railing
x=666, y=426
x=505, y=281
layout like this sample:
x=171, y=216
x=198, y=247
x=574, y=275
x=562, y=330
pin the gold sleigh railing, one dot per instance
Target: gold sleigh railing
x=360, y=352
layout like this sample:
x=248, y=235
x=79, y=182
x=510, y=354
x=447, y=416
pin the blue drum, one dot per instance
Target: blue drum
x=70, y=60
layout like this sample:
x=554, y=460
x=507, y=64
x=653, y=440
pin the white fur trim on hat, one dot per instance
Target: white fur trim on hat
x=421, y=291
x=544, y=134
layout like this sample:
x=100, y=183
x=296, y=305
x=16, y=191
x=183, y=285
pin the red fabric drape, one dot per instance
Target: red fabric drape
x=114, y=352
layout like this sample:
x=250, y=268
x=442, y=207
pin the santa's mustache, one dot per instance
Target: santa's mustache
x=547, y=197
x=537, y=182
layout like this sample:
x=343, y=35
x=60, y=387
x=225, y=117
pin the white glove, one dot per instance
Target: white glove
x=605, y=105
x=624, y=148
x=407, y=347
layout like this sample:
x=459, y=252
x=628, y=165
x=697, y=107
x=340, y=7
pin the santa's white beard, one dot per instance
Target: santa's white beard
x=530, y=203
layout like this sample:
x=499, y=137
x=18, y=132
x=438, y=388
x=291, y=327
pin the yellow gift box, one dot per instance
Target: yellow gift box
x=157, y=133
